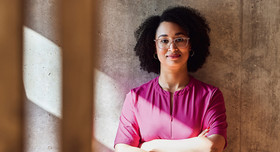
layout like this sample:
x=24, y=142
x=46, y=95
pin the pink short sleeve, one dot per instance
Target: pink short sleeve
x=215, y=117
x=128, y=130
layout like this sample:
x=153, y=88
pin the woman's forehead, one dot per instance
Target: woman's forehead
x=166, y=29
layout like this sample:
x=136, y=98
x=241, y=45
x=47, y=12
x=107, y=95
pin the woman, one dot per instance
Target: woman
x=173, y=112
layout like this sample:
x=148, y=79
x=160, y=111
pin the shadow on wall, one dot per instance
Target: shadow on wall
x=40, y=128
x=97, y=146
x=42, y=83
x=40, y=124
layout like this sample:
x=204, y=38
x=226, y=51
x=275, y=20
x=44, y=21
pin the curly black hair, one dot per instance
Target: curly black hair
x=190, y=20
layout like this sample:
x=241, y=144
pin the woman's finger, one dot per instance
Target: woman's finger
x=203, y=133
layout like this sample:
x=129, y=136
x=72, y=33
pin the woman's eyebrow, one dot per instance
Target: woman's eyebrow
x=180, y=33
x=165, y=35
x=162, y=35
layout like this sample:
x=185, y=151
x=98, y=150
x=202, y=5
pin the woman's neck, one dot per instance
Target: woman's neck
x=173, y=79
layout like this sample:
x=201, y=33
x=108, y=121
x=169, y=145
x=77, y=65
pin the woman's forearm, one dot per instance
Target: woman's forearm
x=196, y=144
x=127, y=148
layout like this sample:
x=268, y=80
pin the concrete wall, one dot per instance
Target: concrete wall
x=245, y=50
x=42, y=76
x=243, y=64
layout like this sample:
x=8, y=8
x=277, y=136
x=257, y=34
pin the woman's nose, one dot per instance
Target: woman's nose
x=172, y=47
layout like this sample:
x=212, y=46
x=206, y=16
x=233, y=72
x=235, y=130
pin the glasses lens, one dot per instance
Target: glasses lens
x=164, y=43
x=181, y=42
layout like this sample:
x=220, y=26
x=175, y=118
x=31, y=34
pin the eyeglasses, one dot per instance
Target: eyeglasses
x=180, y=42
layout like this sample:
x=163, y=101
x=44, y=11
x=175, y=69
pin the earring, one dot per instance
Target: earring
x=155, y=56
x=191, y=53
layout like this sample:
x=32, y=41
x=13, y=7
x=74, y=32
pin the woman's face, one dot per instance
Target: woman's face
x=167, y=34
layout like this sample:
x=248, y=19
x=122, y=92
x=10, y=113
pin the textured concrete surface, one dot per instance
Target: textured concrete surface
x=41, y=16
x=118, y=62
x=242, y=35
x=243, y=64
x=42, y=76
x=42, y=71
x=42, y=83
x=41, y=129
x=260, y=85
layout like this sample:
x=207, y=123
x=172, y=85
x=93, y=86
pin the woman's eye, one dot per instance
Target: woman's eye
x=179, y=40
x=164, y=41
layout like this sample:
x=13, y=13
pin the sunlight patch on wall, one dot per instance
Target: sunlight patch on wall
x=42, y=71
x=106, y=92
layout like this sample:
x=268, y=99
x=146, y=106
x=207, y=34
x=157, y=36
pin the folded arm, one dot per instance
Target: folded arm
x=127, y=148
x=213, y=143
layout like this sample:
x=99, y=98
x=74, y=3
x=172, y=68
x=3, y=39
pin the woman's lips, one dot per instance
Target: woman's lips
x=173, y=56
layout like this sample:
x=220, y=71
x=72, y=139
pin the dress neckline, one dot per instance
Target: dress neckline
x=179, y=92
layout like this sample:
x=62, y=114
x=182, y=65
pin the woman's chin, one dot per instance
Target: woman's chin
x=174, y=64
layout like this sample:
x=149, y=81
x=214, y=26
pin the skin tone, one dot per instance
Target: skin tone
x=173, y=68
x=173, y=77
x=173, y=60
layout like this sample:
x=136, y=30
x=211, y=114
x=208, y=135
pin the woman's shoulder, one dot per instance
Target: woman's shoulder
x=204, y=86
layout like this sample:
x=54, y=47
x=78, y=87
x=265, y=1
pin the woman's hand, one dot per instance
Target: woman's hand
x=149, y=145
x=204, y=133
x=200, y=143
x=156, y=144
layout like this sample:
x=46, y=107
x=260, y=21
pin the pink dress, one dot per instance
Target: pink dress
x=146, y=113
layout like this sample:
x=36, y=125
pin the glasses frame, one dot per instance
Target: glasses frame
x=173, y=41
